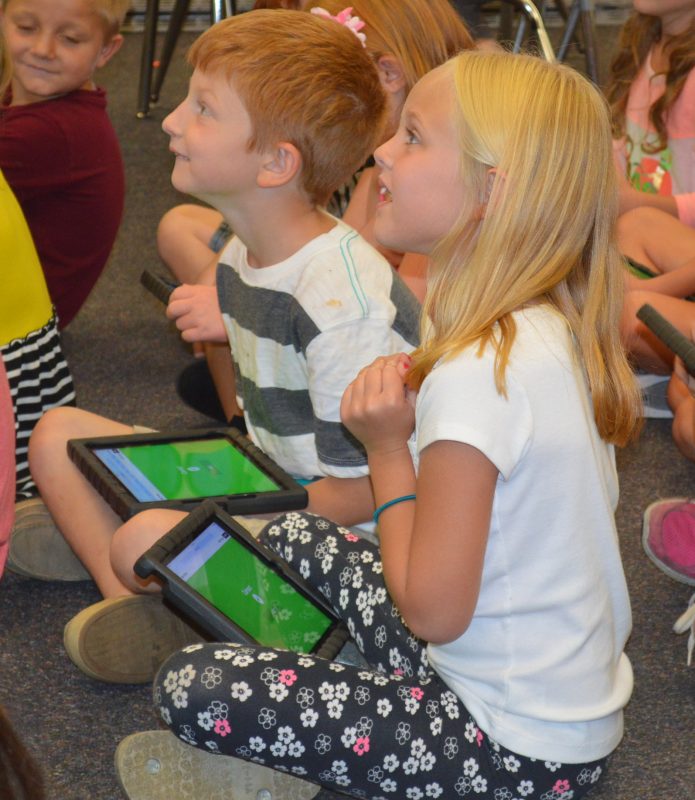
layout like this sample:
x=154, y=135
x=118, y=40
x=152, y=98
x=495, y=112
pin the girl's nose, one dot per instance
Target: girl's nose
x=382, y=155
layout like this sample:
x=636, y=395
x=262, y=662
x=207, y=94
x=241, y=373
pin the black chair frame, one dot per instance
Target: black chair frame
x=152, y=70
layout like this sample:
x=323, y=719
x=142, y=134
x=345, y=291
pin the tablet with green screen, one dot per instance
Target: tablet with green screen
x=236, y=589
x=180, y=470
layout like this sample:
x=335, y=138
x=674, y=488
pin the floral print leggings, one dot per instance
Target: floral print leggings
x=392, y=730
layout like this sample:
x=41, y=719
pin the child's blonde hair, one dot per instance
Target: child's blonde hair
x=421, y=34
x=546, y=235
x=637, y=36
x=112, y=13
x=302, y=79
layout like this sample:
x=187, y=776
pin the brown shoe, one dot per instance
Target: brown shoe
x=38, y=549
x=125, y=639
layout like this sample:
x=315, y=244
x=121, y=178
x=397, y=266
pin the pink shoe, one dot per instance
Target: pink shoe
x=668, y=536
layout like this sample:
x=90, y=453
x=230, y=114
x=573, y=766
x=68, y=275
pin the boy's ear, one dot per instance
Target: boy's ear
x=280, y=166
x=109, y=50
x=391, y=75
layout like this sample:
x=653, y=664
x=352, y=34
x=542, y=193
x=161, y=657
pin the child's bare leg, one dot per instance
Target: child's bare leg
x=86, y=521
x=221, y=368
x=646, y=350
x=133, y=538
x=655, y=239
x=183, y=240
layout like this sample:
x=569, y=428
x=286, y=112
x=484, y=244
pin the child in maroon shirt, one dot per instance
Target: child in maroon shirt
x=58, y=149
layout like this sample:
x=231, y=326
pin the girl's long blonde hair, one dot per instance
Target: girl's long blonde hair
x=536, y=152
x=421, y=34
x=637, y=36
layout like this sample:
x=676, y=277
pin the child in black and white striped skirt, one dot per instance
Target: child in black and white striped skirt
x=38, y=374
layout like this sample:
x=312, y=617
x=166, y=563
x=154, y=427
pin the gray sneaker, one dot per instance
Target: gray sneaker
x=125, y=639
x=38, y=549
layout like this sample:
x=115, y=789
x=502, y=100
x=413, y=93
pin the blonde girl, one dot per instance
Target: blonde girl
x=406, y=40
x=502, y=672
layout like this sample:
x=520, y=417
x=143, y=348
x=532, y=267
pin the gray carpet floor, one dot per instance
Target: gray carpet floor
x=125, y=357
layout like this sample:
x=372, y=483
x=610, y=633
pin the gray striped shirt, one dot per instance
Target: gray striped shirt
x=299, y=332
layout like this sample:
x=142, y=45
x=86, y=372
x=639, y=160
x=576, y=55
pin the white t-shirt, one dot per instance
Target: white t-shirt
x=300, y=331
x=541, y=667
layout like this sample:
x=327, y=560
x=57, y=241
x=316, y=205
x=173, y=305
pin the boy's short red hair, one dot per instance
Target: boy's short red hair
x=304, y=80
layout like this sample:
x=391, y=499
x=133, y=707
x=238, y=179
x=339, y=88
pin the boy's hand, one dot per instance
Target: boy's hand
x=378, y=408
x=196, y=311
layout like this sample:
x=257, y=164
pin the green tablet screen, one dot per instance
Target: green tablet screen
x=240, y=584
x=184, y=470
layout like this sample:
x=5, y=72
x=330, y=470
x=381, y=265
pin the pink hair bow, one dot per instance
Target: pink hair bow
x=355, y=24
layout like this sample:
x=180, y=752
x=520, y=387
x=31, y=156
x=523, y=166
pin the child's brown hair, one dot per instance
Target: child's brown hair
x=421, y=34
x=637, y=36
x=304, y=80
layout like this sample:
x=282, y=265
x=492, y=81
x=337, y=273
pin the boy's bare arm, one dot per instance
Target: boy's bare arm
x=347, y=501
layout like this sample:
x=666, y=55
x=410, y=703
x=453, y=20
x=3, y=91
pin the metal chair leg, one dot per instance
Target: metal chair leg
x=147, y=58
x=178, y=15
x=220, y=9
x=590, y=49
x=533, y=15
x=581, y=11
x=148, y=91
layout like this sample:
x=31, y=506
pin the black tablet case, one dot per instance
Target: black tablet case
x=290, y=496
x=198, y=609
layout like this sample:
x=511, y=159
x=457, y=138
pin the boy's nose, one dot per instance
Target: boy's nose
x=167, y=125
x=44, y=46
x=172, y=123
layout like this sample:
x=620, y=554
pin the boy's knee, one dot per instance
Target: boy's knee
x=641, y=216
x=54, y=428
x=186, y=220
x=633, y=224
x=169, y=224
x=136, y=536
x=48, y=442
x=67, y=422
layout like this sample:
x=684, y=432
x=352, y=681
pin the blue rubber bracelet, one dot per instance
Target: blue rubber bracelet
x=390, y=503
